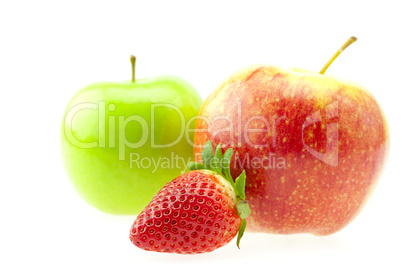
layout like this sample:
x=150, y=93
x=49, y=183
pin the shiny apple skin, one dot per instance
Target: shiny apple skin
x=303, y=194
x=100, y=177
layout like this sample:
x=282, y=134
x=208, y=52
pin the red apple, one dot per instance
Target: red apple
x=313, y=145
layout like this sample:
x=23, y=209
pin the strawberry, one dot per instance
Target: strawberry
x=197, y=212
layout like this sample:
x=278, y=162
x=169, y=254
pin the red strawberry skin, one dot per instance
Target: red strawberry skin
x=194, y=213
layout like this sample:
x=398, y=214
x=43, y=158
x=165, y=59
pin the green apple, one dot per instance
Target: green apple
x=122, y=142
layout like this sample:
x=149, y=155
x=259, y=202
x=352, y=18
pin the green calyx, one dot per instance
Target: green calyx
x=220, y=164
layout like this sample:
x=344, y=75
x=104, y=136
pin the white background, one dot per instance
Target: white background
x=50, y=49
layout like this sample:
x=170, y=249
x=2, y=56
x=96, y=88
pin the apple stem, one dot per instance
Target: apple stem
x=350, y=41
x=132, y=59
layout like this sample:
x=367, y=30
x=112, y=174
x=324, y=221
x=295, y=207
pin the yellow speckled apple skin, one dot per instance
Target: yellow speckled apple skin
x=300, y=192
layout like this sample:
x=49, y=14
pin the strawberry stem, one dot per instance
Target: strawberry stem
x=241, y=232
